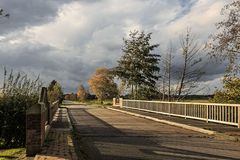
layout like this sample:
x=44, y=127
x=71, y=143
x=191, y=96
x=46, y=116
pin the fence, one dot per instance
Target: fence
x=38, y=120
x=210, y=112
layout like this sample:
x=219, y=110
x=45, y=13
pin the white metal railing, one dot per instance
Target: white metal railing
x=209, y=112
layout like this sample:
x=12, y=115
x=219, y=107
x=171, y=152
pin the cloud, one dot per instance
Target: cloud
x=67, y=40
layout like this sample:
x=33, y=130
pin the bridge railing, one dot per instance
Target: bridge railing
x=38, y=120
x=210, y=112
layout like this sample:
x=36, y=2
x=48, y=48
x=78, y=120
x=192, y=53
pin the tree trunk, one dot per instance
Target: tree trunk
x=169, y=75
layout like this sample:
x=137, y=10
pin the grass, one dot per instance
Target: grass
x=197, y=100
x=97, y=103
x=14, y=153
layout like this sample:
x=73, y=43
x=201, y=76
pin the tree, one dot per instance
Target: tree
x=81, y=93
x=102, y=85
x=225, y=44
x=166, y=74
x=55, y=91
x=3, y=13
x=52, y=84
x=191, y=71
x=138, y=66
x=230, y=92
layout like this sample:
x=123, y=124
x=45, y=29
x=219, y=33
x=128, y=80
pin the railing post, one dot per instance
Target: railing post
x=169, y=109
x=238, y=117
x=121, y=102
x=185, y=111
x=207, y=113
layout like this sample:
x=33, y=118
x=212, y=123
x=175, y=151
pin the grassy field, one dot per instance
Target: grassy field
x=198, y=101
x=97, y=103
x=7, y=154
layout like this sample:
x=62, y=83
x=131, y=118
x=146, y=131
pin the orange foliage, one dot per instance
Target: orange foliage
x=81, y=93
x=102, y=85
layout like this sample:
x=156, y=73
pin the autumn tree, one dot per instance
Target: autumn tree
x=225, y=44
x=192, y=68
x=138, y=65
x=54, y=91
x=102, y=84
x=81, y=93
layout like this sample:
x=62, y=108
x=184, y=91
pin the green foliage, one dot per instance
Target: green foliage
x=54, y=91
x=230, y=92
x=11, y=153
x=17, y=95
x=138, y=66
x=147, y=93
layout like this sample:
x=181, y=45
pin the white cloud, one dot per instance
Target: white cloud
x=84, y=35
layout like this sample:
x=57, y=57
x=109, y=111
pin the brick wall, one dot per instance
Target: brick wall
x=37, y=117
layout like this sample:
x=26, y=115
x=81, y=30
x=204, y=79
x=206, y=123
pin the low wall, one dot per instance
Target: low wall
x=38, y=120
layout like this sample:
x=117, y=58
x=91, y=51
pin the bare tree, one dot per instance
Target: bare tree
x=192, y=66
x=169, y=69
x=3, y=13
x=166, y=73
x=225, y=44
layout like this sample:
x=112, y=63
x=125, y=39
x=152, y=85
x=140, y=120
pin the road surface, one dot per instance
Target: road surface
x=110, y=135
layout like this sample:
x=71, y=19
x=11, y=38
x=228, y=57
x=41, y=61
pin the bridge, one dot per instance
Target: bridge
x=106, y=134
x=133, y=129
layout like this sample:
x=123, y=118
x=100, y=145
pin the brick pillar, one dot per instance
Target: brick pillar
x=35, y=129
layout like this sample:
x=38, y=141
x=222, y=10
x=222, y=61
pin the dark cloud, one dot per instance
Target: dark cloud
x=25, y=13
x=68, y=40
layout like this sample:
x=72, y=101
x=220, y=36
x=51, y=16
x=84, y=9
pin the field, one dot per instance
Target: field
x=95, y=102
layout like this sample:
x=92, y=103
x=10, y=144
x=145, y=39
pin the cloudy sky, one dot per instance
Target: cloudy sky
x=67, y=39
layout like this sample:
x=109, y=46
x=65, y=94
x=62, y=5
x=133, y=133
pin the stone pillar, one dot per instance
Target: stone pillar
x=121, y=102
x=35, y=129
x=114, y=102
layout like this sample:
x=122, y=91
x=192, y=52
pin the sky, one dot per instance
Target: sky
x=68, y=40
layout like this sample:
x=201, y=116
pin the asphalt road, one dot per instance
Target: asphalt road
x=111, y=135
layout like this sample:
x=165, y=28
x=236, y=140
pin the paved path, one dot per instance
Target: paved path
x=110, y=135
x=59, y=144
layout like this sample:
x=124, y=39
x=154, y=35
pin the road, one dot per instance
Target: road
x=111, y=135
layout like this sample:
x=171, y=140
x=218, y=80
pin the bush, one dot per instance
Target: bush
x=230, y=92
x=17, y=95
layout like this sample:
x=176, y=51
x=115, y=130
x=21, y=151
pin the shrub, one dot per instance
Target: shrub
x=17, y=94
x=230, y=92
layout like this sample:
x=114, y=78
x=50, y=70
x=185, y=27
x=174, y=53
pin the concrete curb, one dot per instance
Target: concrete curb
x=69, y=121
x=197, y=129
x=68, y=118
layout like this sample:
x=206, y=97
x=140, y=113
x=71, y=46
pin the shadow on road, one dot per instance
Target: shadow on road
x=97, y=139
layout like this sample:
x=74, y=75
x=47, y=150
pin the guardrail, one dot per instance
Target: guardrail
x=210, y=112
